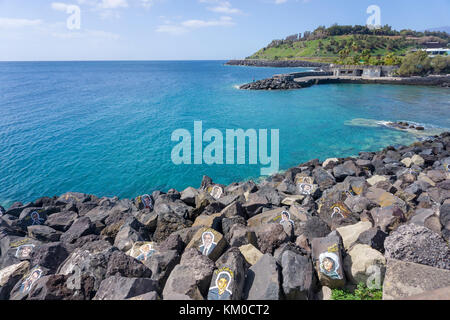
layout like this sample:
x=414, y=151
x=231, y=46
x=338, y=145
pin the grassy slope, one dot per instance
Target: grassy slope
x=308, y=50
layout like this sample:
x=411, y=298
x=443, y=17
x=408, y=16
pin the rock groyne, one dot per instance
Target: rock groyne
x=276, y=83
x=382, y=216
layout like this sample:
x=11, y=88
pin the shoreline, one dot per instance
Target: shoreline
x=388, y=208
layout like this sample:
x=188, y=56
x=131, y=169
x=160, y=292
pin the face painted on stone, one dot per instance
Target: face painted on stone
x=306, y=188
x=23, y=252
x=35, y=275
x=36, y=218
x=329, y=265
x=208, y=244
x=222, y=284
x=147, y=201
x=447, y=167
x=207, y=239
x=216, y=192
x=220, y=291
x=336, y=212
x=32, y=278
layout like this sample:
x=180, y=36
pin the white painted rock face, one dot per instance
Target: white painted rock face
x=363, y=262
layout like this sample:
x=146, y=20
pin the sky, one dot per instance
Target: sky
x=46, y=30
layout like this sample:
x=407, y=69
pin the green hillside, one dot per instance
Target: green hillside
x=352, y=45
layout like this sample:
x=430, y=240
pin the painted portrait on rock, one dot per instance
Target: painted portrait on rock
x=208, y=244
x=329, y=265
x=34, y=275
x=221, y=289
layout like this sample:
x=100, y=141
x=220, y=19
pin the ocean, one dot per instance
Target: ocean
x=104, y=128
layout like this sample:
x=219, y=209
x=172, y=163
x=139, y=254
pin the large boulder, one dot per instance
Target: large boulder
x=228, y=280
x=323, y=178
x=315, y=228
x=351, y=233
x=384, y=198
x=344, y=170
x=9, y=276
x=126, y=237
x=161, y=264
x=87, y=266
x=250, y=253
x=61, y=221
x=404, y=279
x=241, y=235
x=52, y=287
x=364, y=263
x=271, y=236
x=418, y=244
x=26, y=284
x=209, y=242
x=327, y=257
x=16, y=249
x=49, y=255
x=81, y=227
x=43, y=233
x=263, y=280
x=298, y=276
x=123, y=265
x=168, y=223
x=190, y=280
x=388, y=218
x=121, y=288
x=374, y=238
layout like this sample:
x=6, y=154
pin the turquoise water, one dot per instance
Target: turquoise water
x=105, y=128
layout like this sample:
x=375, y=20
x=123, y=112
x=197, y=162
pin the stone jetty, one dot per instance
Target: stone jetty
x=287, y=82
x=381, y=218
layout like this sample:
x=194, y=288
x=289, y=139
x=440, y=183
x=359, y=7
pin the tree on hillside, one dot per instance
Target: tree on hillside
x=441, y=64
x=416, y=63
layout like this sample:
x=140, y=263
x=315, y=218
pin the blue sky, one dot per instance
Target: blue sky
x=185, y=29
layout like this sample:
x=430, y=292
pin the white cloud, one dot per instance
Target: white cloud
x=8, y=23
x=189, y=25
x=224, y=7
x=147, y=3
x=59, y=6
x=113, y=4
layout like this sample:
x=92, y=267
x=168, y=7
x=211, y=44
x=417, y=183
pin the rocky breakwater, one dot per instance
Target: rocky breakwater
x=382, y=217
x=272, y=84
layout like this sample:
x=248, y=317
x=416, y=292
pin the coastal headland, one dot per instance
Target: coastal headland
x=381, y=220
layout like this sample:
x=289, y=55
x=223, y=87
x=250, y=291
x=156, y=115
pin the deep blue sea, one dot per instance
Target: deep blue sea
x=105, y=128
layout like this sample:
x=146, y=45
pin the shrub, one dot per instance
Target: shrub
x=415, y=64
x=361, y=293
x=441, y=64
